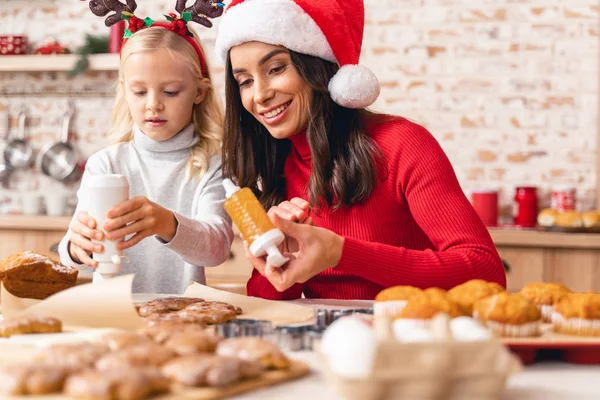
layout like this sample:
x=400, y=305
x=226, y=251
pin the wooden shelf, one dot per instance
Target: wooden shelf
x=532, y=238
x=56, y=63
x=34, y=223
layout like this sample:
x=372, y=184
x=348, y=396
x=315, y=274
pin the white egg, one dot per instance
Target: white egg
x=349, y=345
x=468, y=329
x=414, y=334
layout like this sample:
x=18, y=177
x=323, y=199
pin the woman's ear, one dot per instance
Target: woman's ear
x=203, y=86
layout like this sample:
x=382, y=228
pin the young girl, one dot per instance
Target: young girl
x=167, y=125
x=367, y=201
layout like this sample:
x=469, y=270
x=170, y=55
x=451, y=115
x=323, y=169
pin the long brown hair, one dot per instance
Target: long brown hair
x=344, y=165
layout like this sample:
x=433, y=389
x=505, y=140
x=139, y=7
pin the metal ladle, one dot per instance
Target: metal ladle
x=18, y=153
x=5, y=169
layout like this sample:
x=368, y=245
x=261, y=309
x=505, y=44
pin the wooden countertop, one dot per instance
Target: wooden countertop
x=516, y=237
x=502, y=236
x=34, y=222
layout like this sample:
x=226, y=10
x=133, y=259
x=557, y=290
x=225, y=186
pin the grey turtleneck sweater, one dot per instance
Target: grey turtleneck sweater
x=157, y=171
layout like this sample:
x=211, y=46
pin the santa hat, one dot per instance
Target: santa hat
x=328, y=29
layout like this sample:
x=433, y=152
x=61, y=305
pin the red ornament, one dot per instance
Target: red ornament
x=135, y=24
x=179, y=27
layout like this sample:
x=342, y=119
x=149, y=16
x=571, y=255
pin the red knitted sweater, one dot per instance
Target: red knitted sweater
x=417, y=227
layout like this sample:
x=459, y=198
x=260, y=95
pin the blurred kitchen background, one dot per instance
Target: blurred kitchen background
x=510, y=89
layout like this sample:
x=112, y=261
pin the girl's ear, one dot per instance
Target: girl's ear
x=203, y=86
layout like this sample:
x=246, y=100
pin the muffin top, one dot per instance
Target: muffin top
x=427, y=304
x=544, y=293
x=507, y=308
x=579, y=305
x=466, y=294
x=397, y=293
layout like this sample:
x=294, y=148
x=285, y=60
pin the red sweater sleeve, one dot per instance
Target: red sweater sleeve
x=463, y=247
x=259, y=286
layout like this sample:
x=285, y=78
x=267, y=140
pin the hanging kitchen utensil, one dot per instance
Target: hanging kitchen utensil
x=59, y=160
x=18, y=152
x=5, y=169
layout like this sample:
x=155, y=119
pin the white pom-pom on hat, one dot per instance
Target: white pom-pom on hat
x=354, y=86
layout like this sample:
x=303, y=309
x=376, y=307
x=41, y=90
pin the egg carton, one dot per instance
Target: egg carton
x=443, y=369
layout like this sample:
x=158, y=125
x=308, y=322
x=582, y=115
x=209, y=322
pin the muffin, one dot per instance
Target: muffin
x=577, y=314
x=466, y=294
x=392, y=300
x=544, y=295
x=569, y=219
x=591, y=219
x=547, y=217
x=509, y=315
x=421, y=308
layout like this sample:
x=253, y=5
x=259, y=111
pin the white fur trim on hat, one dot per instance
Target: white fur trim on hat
x=277, y=22
x=354, y=86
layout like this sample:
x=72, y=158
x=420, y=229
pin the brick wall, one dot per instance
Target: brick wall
x=510, y=90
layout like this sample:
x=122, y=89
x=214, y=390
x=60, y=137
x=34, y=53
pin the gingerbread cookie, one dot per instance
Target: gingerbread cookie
x=120, y=340
x=161, y=331
x=187, y=343
x=145, y=354
x=32, y=379
x=117, y=384
x=73, y=357
x=254, y=349
x=29, y=324
x=209, y=370
x=166, y=305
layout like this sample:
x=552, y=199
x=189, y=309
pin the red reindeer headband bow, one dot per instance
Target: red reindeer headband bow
x=199, y=12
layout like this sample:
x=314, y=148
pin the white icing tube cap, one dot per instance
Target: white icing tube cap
x=267, y=244
x=230, y=187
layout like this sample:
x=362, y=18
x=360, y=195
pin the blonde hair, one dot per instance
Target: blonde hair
x=207, y=116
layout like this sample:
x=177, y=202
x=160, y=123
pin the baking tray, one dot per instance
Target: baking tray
x=567, y=229
x=552, y=346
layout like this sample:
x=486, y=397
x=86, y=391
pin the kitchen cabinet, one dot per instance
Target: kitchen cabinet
x=569, y=258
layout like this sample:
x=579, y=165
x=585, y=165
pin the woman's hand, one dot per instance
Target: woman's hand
x=81, y=247
x=293, y=210
x=141, y=218
x=318, y=250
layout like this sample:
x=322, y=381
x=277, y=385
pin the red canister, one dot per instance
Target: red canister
x=485, y=202
x=564, y=198
x=526, y=206
x=13, y=45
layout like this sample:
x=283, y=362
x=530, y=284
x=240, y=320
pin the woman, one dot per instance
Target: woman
x=366, y=201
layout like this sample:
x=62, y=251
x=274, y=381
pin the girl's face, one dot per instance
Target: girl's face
x=271, y=88
x=161, y=92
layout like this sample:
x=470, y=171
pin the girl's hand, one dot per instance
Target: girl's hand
x=81, y=247
x=318, y=250
x=141, y=218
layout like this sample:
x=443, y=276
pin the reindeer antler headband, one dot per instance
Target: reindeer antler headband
x=199, y=12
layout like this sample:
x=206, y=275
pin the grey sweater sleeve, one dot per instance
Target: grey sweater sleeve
x=206, y=238
x=94, y=166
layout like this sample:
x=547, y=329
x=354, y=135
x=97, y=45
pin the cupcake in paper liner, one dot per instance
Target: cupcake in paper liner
x=392, y=300
x=509, y=315
x=419, y=312
x=544, y=295
x=466, y=294
x=577, y=314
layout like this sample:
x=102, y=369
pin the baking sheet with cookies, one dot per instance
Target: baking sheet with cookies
x=90, y=311
x=555, y=346
x=22, y=353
